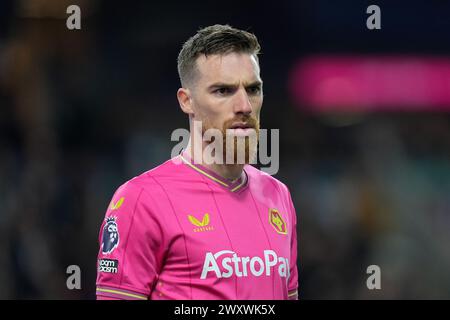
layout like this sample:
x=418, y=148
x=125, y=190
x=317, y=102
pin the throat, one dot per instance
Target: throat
x=231, y=172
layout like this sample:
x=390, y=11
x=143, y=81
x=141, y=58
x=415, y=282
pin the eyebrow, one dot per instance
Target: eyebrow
x=231, y=85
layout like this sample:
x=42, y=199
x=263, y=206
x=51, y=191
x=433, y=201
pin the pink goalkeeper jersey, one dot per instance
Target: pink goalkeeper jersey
x=180, y=231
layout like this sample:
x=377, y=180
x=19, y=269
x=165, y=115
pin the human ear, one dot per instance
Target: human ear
x=185, y=100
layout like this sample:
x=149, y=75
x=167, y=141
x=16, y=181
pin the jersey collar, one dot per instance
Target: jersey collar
x=235, y=186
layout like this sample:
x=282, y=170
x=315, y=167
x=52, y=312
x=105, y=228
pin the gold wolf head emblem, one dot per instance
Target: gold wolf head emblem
x=277, y=222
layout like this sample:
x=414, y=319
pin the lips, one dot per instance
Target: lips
x=241, y=126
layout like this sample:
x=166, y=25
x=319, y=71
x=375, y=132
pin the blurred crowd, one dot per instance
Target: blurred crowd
x=83, y=111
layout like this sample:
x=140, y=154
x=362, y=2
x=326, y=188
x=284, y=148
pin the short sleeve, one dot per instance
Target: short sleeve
x=131, y=242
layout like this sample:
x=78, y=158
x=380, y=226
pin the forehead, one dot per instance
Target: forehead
x=228, y=68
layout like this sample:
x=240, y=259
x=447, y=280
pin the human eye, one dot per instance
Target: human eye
x=254, y=90
x=222, y=91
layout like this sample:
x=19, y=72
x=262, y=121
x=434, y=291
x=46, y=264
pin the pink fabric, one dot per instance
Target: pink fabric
x=184, y=235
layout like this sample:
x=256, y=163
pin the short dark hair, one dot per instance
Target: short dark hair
x=216, y=39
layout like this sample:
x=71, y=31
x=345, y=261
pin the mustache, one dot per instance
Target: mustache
x=248, y=120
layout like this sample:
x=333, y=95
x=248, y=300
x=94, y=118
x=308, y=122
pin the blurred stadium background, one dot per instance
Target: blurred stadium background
x=363, y=118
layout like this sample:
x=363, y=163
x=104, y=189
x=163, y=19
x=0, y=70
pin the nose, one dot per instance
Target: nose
x=242, y=103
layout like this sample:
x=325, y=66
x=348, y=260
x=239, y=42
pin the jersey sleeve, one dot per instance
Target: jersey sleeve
x=131, y=242
x=293, y=278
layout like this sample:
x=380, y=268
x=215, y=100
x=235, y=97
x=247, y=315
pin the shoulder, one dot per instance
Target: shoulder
x=262, y=178
x=151, y=180
x=146, y=187
x=143, y=203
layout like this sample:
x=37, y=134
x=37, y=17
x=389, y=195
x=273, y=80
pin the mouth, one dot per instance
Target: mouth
x=241, y=125
x=241, y=129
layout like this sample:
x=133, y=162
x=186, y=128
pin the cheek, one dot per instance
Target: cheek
x=256, y=102
x=212, y=110
x=257, y=109
x=206, y=106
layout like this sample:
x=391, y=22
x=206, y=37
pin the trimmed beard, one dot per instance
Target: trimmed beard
x=237, y=149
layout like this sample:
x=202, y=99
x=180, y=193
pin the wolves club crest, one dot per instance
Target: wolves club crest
x=277, y=222
x=110, y=237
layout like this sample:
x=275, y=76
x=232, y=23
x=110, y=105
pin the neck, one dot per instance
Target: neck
x=228, y=171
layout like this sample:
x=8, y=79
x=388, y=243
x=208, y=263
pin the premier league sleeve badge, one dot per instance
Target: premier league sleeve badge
x=110, y=237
